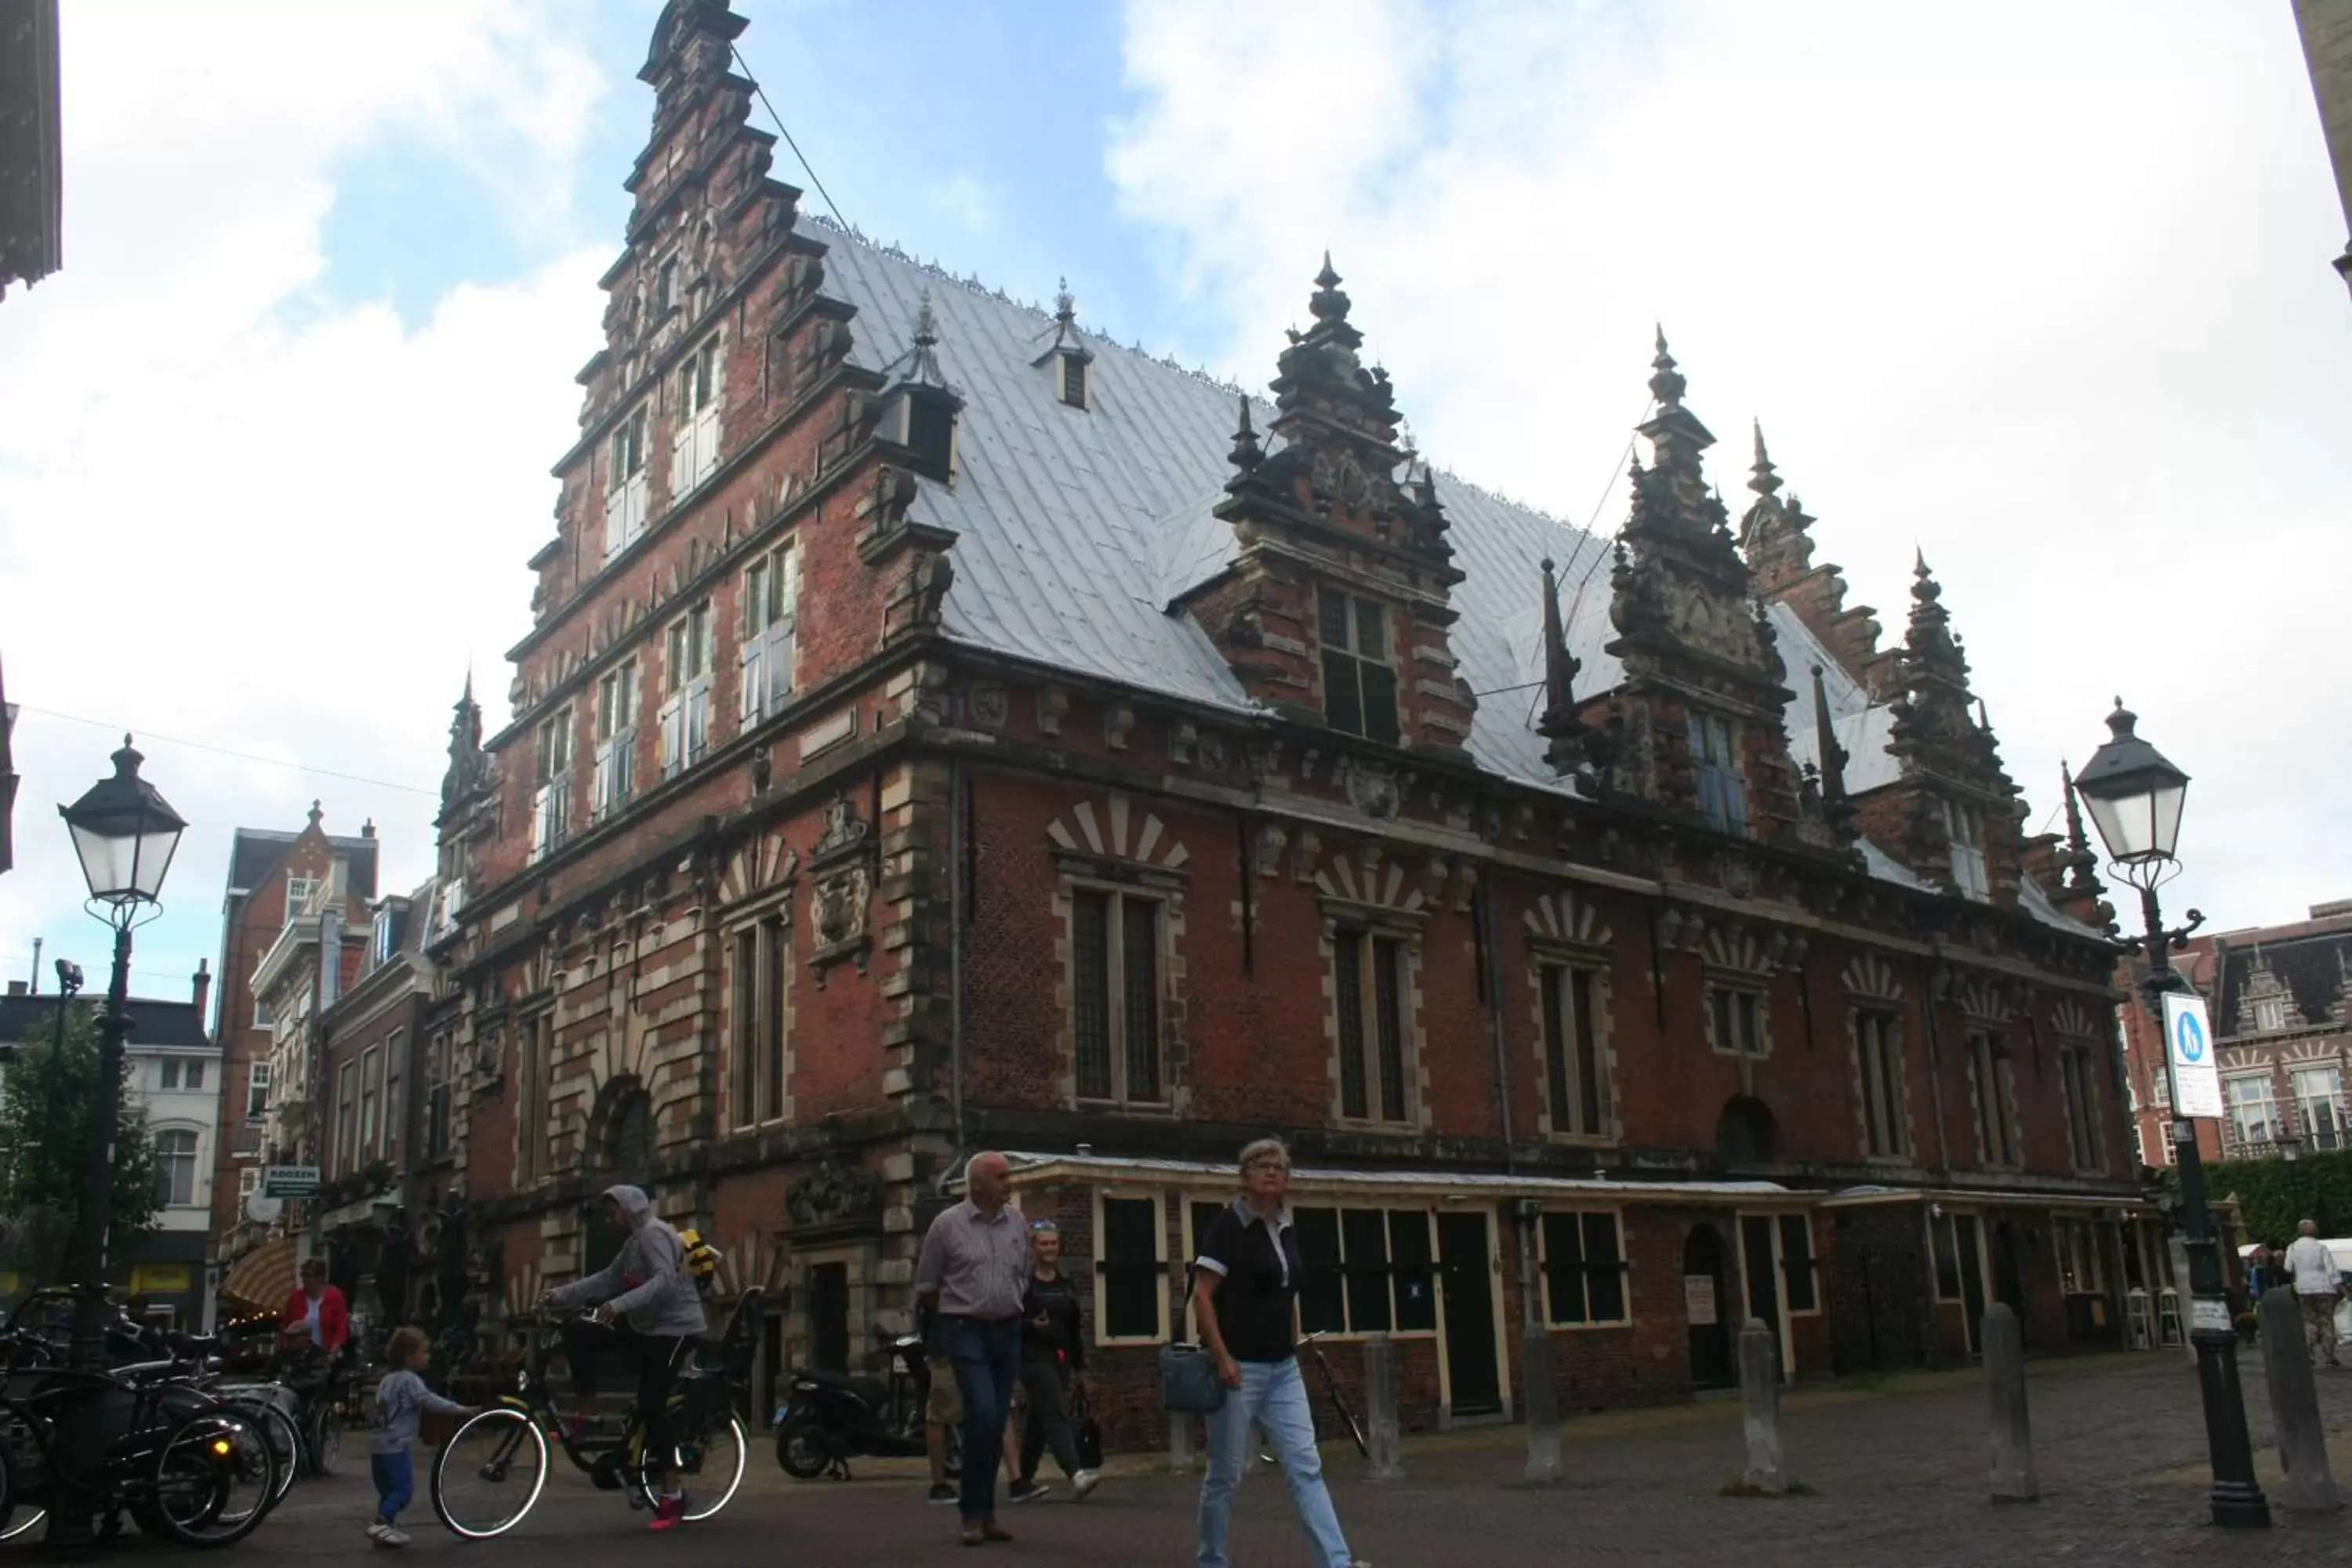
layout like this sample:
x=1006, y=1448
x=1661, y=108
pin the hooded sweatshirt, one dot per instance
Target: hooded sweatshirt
x=647, y=1283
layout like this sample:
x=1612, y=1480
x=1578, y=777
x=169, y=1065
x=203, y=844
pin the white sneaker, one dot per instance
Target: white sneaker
x=375, y=1530
x=1084, y=1482
x=394, y=1536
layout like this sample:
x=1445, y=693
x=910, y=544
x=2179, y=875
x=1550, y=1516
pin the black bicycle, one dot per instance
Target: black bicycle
x=492, y=1470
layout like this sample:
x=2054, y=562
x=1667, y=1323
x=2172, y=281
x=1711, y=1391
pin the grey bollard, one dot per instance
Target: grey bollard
x=1383, y=1438
x=2310, y=1486
x=1180, y=1443
x=1537, y=1376
x=2014, y=1476
x=1760, y=1398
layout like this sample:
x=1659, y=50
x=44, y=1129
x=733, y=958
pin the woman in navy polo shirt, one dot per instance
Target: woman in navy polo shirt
x=1245, y=1295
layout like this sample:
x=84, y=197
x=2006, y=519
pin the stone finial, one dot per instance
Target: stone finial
x=1835, y=808
x=1065, y=305
x=316, y=815
x=1666, y=384
x=1559, y=726
x=1246, y=454
x=1766, y=479
x=1327, y=304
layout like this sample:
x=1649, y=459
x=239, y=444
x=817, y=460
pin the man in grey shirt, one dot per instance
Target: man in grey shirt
x=976, y=1263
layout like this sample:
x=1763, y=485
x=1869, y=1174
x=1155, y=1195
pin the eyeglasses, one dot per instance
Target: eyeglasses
x=1273, y=1167
x=1043, y=1224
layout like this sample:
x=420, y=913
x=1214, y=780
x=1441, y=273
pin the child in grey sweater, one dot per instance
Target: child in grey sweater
x=401, y=1401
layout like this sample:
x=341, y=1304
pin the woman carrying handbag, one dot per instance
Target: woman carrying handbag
x=1245, y=1297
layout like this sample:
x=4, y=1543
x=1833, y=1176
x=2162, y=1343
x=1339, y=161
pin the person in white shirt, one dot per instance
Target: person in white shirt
x=2316, y=1285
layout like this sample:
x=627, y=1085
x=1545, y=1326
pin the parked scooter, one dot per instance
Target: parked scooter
x=831, y=1417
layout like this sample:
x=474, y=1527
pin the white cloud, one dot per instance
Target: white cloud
x=2045, y=292
x=241, y=514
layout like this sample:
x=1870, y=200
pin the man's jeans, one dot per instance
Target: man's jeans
x=1272, y=1397
x=986, y=1355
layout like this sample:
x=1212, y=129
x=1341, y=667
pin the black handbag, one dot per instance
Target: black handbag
x=1087, y=1429
x=1189, y=1383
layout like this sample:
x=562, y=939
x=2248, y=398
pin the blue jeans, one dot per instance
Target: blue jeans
x=396, y=1483
x=986, y=1355
x=1273, y=1396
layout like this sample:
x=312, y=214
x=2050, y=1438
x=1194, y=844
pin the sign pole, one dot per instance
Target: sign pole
x=2236, y=1499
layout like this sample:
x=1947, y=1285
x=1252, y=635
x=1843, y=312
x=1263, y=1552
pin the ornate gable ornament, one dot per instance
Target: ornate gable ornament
x=1368, y=880
x=835, y=1197
x=1870, y=976
x=841, y=863
x=1564, y=919
x=1117, y=830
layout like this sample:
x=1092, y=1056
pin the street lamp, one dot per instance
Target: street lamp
x=124, y=834
x=2134, y=798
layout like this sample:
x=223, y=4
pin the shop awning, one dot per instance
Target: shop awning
x=262, y=1279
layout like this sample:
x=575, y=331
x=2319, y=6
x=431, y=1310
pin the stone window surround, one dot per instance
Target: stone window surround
x=775, y=905
x=1405, y=927
x=1546, y=958
x=1872, y=987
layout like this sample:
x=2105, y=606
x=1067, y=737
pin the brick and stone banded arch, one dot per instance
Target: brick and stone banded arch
x=1117, y=830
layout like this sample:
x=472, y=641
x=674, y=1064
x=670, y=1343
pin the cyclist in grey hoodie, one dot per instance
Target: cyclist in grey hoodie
x=650, y=1307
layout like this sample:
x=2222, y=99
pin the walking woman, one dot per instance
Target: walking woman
x=1052, y=1355
x=1246, y=1296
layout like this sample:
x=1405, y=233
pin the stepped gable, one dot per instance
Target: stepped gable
x=1076, y=528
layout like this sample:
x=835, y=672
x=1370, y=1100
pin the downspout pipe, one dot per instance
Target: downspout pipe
x=1526, y=1221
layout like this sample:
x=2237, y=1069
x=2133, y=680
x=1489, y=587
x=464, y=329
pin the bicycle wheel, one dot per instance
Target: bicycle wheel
x=285, y=1445
x=713, y=1467
x=19, y=1523
x=214, y=1478
x=489, y=1473
x=325, y=1449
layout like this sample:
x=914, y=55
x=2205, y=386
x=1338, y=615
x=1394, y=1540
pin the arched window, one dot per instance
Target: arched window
x=175, y=1167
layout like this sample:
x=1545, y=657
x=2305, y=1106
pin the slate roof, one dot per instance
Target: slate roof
x=2311, y=963
x=255, y=852
x=152, y=1024
x=1078, y=527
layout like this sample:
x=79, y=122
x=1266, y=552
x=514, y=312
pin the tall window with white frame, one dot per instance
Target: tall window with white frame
x=298, y=890
x=550, y=803
x=1964, y=828
x=2270, y=1013
x=438, y=1096
x=1736, y=1015
x=388, y=1139
x=1359, y=684
x=175, y=1167
x=694, y=454
x=2080, y=1081
x=2319, y=1105
x=1368, y=992
x=368, y=1147
x=1115, y=999
x=347, y=1094
x=1576, y=1082
x=1879, y=1061
x=617, y=740
x=772, y=598
x=686, y=685
x=1996, y=1114
x=755, y=1086
x=625, y=481
x=257, y=1091
x=2253, y=1111
x=1716, y=772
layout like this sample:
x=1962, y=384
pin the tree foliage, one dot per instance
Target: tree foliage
x=45, y=1116
x=2273, y=1195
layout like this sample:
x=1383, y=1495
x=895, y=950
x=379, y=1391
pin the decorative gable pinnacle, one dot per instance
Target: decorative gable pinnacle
x=1766, y=478
x=1837, y=812
x=1560, y=726
x=1246, y=454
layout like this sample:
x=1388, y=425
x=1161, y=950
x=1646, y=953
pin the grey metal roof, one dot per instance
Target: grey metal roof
x=1115, y=1167
x=152, y=1023
x=1078, y=527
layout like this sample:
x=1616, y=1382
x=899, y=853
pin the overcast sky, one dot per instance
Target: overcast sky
x=2041, y=290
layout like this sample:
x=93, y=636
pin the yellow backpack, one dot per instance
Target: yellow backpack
x=701, y=1258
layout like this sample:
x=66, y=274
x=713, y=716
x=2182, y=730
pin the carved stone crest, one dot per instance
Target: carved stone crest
x=1372, y=789
x=843, y=830
x=989, y=706
x=834, y=1195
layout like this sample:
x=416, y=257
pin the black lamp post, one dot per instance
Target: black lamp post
x=124, y=834
x=2134, y=798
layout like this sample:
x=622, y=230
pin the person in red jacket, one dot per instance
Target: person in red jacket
x=315, y=1315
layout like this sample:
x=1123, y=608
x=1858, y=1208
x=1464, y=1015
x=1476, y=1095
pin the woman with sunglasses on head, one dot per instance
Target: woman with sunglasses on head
x=1052, y=1355
x=1246, y=1297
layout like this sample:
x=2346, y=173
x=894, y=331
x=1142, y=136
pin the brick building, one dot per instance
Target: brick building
x=943, y=728
x=2282, y=1007
x=280, y=886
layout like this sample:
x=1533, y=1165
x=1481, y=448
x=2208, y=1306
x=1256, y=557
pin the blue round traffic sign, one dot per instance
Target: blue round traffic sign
x=2188, y=1037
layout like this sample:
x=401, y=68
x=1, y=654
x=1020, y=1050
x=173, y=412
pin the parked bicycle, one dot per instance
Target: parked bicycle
x=489, y=1473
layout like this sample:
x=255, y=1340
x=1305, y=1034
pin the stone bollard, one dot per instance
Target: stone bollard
x=1537, y=1376
x=1759, y=1397
x=2310, y=1486
x=1180, y=1443
x=2014, y=1476
x=1383, y=1437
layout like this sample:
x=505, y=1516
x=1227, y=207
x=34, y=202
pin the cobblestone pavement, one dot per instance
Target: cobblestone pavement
x=1898, y=1468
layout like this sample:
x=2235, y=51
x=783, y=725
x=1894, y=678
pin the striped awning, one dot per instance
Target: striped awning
x=262, y=1279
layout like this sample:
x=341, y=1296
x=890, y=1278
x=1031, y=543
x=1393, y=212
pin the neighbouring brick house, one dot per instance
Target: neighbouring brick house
x=943, y=728
x=280, y=887
x=2280, y=1001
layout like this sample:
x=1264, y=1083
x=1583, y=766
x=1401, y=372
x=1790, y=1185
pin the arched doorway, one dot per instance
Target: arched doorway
x=1708, y=1305
x=1746, y=1133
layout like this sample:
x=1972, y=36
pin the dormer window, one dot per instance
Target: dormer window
x=385, y=938
x=1715, y=769
x=1070, y=371
x=1964, y=827
x=923, y=420
x=2270, y=1013
x=1359, y=684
